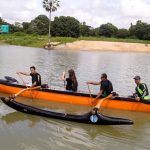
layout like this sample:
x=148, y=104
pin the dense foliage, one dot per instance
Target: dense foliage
x=108, y=30
x=141, y=30
x=39, y=25
x=122, y=33
x=71, y=27
x=65, y=27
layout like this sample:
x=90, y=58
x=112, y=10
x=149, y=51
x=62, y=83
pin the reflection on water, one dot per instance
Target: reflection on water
x=46, y=133
x=21, y=131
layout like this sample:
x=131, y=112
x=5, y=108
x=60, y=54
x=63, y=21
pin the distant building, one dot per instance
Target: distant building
x=4, y=28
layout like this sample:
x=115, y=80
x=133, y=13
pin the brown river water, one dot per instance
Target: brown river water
x=20, y=131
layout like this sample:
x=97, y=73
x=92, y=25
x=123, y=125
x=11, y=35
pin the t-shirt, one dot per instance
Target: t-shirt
x=70, y=85
x=36, y=78
x=107, y=88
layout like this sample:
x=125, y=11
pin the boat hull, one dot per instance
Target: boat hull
x=74, y=98
x=86, y=118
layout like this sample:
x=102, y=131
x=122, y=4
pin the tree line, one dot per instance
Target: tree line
x=66, y=26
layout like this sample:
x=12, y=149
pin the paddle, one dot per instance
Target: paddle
x=90, y=94
x=22, y=79
x=89, y=91
x=64, y=78
x=64, y=81
x=95, y=110
x=24, y=82
x=101, y=101
x=23, y=90
x=17, y=94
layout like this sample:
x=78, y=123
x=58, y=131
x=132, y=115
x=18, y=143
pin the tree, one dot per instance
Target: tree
x=92, y=32
x=85, y=30
x=16, y=27
x=18, y=24
x=65, y=27
x=147, y=37
x=107, y=30
x=50, y=6
x=132, y=30
x=25, y=25
x=122, y=33
x=1, y=21
x=141, y=30
x=96, y=32
x=39, y=25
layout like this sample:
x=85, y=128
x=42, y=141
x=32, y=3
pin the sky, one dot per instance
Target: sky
x=94, y=12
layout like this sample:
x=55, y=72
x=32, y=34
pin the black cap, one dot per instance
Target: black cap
x=137, y=78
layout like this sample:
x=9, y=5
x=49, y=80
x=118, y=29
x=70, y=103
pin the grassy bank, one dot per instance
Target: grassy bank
x=31, y=40
x=38, y=41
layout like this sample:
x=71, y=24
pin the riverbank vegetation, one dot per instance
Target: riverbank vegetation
x=35, y=40
x=68, y=29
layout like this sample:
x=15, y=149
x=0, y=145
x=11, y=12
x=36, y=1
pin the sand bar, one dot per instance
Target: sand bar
x=105, y=46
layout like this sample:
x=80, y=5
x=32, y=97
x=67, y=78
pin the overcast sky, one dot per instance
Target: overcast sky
x=94, y=12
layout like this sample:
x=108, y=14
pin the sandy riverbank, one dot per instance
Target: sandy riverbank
x=105, y=46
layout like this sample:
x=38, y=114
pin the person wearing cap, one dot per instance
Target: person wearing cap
x=141, y=90
x=106, y=86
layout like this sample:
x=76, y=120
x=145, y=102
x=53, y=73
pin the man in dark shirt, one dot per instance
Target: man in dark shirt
x=36, y=77
x=105, y=86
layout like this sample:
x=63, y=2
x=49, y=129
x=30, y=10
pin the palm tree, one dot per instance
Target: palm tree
x=50, y=6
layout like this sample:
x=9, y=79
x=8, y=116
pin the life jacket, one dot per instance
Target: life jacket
x=142, y=93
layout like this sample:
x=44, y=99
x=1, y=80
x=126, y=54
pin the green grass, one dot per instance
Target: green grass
x=34, y=40
x=128, y=40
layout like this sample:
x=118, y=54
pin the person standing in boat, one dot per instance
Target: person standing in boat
x=36, y=77
x=141, y=90
x=106, y=86
x=72, y=83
